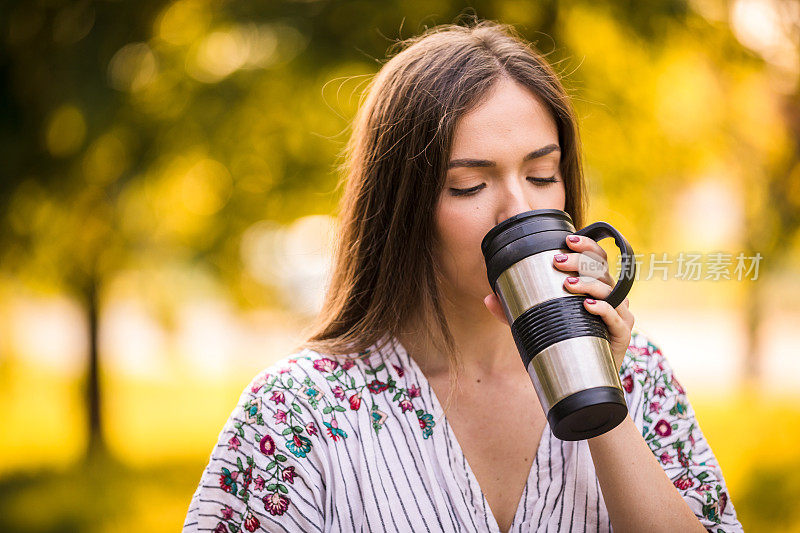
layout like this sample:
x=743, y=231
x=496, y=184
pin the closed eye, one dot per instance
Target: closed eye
x=540, y=182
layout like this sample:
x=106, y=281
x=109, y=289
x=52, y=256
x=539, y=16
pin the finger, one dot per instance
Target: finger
x=579, y=243
x=586, y=264
x=590, y=248
x=591, y=287
x=492, y=303
x=616, y=325
x=625, y=313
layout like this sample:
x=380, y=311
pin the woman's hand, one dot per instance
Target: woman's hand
x=591, y=263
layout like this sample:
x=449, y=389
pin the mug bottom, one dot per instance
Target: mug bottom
x=588, y=413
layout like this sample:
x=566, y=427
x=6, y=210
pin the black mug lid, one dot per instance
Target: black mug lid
x=523, y=224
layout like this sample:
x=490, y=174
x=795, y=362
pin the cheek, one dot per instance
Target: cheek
x=459, y=233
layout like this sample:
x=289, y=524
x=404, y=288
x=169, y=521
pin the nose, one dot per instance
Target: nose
x=513, y=201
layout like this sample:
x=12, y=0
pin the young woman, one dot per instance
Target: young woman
x=465, y=127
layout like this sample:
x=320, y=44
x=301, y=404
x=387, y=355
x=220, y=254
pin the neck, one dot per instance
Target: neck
x=485, y=345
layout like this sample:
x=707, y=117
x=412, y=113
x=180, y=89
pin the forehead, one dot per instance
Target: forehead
x=509, y=119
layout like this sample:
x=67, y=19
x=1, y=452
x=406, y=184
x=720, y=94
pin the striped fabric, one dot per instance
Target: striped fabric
x=323, y=444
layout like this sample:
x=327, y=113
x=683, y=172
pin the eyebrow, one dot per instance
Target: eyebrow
x=486, y=163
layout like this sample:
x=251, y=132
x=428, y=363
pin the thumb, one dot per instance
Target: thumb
x=494, y=306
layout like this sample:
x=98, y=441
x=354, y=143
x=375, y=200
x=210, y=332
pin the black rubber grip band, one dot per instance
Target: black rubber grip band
x=552, y=321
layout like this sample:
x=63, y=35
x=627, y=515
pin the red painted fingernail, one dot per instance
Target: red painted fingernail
x=572, y=280
x=590, y=301
x=573, y=238
x=560, y=258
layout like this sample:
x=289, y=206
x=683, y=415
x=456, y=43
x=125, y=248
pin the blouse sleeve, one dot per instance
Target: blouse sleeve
x=661, y=409
x=266, y=471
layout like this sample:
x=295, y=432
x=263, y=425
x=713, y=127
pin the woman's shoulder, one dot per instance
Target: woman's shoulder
x=643, y=352
x=332, y=392
x=645, y=368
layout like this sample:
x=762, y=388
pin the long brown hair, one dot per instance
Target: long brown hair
x=395, y=161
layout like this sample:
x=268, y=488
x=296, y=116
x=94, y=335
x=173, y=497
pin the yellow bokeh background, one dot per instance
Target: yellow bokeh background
x=167, y=209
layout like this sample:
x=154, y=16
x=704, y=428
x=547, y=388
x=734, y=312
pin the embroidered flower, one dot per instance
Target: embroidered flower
x=637, y=350
x=666, y=458
x=311, y=428
x=355, y=401
x=347, y=364
x=375, y=386
x=627, y=383
x=325, y=365
x=683, y=459
x=221, y=528
x=338, y=392
x=378, y=418
x=406, y=405
x=413, y=391
x=247, y=477
x=251, y=523
x=677, y=386
x=702, y=488
x=227, y=512
x=683, y=482
x=234, y=443
x=313, y=394
x=333, y=429
x=277, y=397
x=227, y=480
x=259, y=483
x=663, y=428
x=267, y=445
x=299, y=445
x=679, y=410
x=654, y=407
x=426, y=423
x=288, y=474
x=659, y=391
x=259, y=382
x=275, y=503
x=399, y=370
x=251, y=410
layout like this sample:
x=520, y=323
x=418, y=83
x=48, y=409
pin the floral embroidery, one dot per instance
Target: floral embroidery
x=378, y=418
x=333, y=430
x=299, y=445
x=276, y=503
x=227, y=512
x=267, y=445
x=425, y=422
x=251, y=523
x=281, y=390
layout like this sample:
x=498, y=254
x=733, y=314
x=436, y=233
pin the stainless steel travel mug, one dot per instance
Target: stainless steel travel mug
x=565, y=348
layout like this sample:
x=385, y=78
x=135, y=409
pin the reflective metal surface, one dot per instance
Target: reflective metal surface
x=572, y=365
x=531, y=281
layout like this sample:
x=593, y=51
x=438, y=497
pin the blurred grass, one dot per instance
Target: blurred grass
x=161, y=434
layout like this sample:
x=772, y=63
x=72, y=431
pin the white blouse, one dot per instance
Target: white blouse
x=323, y=444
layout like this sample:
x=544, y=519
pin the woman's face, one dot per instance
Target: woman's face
x=505, y=160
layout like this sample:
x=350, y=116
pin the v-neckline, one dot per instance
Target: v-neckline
x=438, y=414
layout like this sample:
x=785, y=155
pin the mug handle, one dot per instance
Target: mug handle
x=627, y=272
